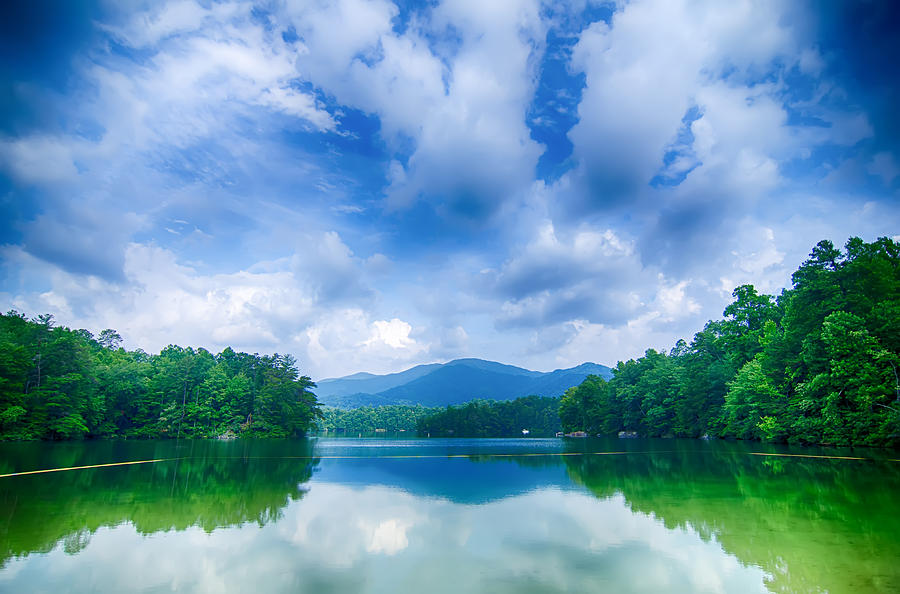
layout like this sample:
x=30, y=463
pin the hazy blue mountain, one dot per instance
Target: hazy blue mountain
x=461, y=380
x=369, y=383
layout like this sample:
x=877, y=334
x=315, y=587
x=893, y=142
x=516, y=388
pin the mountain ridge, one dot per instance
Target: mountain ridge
x=454, y=382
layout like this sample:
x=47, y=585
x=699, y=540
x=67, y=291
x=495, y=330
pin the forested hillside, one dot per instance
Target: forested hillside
x=539, y=415
x=817, y=364
x=57, y=383
x=391, y=418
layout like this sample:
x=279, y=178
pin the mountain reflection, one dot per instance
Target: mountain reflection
x=209, y=485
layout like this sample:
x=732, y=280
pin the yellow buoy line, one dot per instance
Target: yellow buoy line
x=421, y=456
x=63, y=469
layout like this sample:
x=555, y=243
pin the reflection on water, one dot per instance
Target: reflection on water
x=813, y=524
x=445, y=515
x=210, y=485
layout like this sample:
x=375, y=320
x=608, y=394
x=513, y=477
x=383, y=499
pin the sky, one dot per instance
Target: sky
x=371, y=185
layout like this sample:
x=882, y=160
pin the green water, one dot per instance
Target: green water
x=383, y=515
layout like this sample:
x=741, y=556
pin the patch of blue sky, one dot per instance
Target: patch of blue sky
x=839, y=170
x=799, y=87
x=407, y=11
x=88, y=129
x=425, y=228
x=37, y=41
x=206, y=162
x=26, y=111
x=125, y=57
x=34, y=34
x=554, y=108
x=816, y=163
x=679, y=158
x=262, y=16
x=289, y=35
x=356, y=147
x=861, y=45
x=17, y=204
x=571, y=22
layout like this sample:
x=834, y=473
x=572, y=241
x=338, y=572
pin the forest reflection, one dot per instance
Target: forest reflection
x=812, y=524
x=209, y=484
x=809, y=524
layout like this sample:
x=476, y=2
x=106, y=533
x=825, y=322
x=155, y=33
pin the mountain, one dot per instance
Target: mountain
x=461, y=380
x=369, y=383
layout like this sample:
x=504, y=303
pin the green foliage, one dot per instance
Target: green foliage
x=538, y=415
x=752, y=404
x=819, y=364
x=57, y=383
x=393, y=418
x=587, y=407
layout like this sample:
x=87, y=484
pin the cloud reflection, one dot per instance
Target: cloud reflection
x=380, y=539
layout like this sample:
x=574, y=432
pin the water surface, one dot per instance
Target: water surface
x=457, y=515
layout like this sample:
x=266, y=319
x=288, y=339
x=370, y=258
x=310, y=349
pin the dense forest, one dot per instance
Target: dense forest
x=817, y=364
x=57, y=383
x=487, y=418
x=392, y=418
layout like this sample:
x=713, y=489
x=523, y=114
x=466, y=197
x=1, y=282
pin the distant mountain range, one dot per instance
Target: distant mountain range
x=440, y=384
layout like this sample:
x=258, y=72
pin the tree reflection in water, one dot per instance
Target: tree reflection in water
x=210, y=485
x=812, y=524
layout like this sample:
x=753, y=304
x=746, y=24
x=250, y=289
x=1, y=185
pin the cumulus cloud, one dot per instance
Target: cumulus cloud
x=315, y=304
x=161, y=127
x=215, y=173
x=673, y=97
x=654, y=63
x=459, y=107
x=350, y=339
x=221, y=50
x=584, y=275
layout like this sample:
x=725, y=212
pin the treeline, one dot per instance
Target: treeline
x=57, y=383
x=392, y=418
x=817, y=365
x=487, y=418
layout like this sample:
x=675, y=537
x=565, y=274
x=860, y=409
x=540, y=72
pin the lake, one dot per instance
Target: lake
x=448, y=515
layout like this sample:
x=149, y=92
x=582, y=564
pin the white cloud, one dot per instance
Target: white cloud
x=388, y=537
x=658, y=60
x=581, y=273
x=208, y=119
x=163, y=20
x=41, y=159
x=307, y=304
x=758, y=261
x=394, y=333
x=347, y=340
x=464, y=114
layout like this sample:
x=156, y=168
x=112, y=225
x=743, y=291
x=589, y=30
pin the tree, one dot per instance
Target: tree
x=109, y=339
x=819, y=364
x=57, y=383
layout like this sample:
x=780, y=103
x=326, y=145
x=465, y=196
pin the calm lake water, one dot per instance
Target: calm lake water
x=480, y=515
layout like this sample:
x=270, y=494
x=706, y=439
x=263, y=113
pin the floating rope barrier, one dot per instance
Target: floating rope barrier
x=46, y=470
x=427, y=456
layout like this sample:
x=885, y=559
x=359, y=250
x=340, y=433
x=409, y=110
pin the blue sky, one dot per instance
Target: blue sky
x=371, y=185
